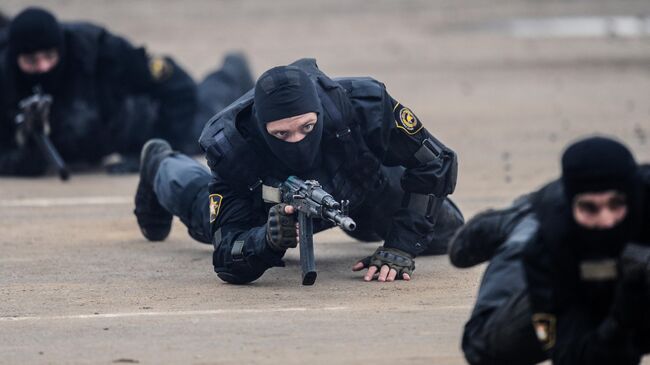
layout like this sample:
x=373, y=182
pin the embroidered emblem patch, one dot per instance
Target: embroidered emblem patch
x=215, y=204
x=545, y=327
x=406, y=120
x=160, y=68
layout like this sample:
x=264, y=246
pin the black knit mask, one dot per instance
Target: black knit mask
x=34, y=30
x=594, y=165
x=284, y=92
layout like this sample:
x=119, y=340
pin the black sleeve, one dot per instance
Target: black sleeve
x=489, y=228
x=398, y=137
x=425, y=173
x=241, y=254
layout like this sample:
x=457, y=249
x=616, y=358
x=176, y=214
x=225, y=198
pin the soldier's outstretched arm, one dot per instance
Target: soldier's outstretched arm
x=241, y=252
x=481, y=236
x=400, y=138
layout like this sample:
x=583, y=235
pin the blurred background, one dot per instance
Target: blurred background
x=505, y=83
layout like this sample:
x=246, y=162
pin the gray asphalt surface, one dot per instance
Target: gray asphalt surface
x=79, y=284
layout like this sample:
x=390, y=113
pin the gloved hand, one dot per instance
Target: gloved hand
x=282, y=228
x=391, y=264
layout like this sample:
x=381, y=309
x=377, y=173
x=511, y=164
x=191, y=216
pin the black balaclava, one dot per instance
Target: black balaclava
x=599, y=164
x=33, y=30
x=283, y=92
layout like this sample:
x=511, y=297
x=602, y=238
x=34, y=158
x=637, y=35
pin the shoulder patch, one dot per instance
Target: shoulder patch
x=160, y=68
x=406, y=120
x=215, y=205
x=545, y=327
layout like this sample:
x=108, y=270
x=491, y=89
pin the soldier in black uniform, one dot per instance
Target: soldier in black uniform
x=108, y=96
x=569, y=276
x=347, y=133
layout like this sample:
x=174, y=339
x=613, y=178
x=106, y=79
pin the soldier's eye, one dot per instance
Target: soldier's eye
x=588, y=207
x=308, y=128
x=617, y=202
x=280, y=134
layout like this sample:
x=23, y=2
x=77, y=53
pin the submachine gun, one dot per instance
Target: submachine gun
x=33, y=121
x=311, y=202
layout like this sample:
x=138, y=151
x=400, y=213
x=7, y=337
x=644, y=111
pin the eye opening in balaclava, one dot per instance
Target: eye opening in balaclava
x=284, y=92
x=32, y=30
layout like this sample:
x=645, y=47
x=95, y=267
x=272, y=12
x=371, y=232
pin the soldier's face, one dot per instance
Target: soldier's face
x=38, y=62
x=602, y=210
x=292, y=129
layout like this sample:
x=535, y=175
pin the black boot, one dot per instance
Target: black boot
x=155, y=221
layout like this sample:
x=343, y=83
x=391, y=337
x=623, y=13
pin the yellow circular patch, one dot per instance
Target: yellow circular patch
x=408, y=119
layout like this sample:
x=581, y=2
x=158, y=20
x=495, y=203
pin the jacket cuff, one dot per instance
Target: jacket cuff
x=409, y=232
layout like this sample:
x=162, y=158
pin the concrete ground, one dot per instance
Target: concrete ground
x=79, y=284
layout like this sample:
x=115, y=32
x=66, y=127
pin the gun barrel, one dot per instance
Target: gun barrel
x=53, y=155
x=348, y=224
x=339, y=219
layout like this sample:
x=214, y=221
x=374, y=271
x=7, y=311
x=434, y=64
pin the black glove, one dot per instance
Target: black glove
x=396, y=259
x=281, y=232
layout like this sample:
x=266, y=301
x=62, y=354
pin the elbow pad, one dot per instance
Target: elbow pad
x=437, y=170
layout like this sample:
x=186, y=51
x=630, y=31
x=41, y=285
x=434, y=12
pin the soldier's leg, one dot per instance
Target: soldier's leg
x=171, y=184
x=181, y=185
x=500, y=329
